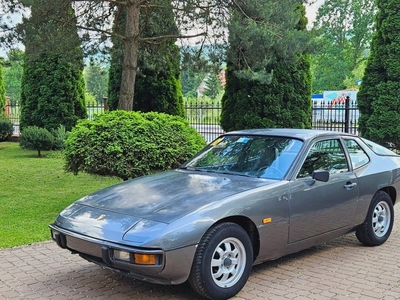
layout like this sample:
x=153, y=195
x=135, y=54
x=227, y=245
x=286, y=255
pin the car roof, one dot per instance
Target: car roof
x=304, y=134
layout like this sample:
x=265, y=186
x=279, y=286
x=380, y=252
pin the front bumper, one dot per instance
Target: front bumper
x=171, y=267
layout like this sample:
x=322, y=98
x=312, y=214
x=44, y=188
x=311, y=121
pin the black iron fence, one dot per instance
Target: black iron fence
x=329, y=115
x=12, y=111
x=205, y=118
x=326, y=115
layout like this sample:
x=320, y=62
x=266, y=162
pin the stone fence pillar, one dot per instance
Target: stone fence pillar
x=7, y=108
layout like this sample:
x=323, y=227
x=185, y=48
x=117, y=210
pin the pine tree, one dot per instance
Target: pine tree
x=378, y=98
x=157, y=85
x=278, y=94
x=213, y=85
x=53, y=89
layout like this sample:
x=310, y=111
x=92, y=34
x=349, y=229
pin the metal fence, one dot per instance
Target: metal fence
x=326, y=115
x=332, y=116
x=205, y=118
x=12, y=111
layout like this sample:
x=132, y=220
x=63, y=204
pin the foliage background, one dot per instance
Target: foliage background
x=378, y=98
x=342, y=32
x=53, y=88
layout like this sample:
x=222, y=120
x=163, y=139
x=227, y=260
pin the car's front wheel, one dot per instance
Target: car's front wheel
x=378, y=224
x=222, y=263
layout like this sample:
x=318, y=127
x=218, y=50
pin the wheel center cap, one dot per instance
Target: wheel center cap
x=380, y=218
x=227, y=262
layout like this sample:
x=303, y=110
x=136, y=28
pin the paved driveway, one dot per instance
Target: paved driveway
x=340, y=269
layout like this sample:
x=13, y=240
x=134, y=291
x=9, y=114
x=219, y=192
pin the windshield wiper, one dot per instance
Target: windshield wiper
x=189, y=168
x=235, y=173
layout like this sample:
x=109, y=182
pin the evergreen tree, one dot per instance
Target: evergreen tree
x=213, y=86
x=53, y=89
x=209, y=17
x=157, y=84
x=378, y=98
x=278, y=92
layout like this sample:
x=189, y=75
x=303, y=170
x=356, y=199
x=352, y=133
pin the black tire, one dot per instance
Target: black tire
x=378, y=224
x=222, y=263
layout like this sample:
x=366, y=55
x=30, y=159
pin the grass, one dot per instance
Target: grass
x=34, y=190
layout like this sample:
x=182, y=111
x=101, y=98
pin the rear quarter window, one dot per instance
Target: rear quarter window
x=378, y=149
x=357, y=154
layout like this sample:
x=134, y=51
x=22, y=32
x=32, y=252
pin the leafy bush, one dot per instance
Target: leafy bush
x=130, y=144
x=36, y=138
x=6, y=128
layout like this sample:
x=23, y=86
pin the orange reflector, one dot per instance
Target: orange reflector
x=145, y=259
x=267, y=220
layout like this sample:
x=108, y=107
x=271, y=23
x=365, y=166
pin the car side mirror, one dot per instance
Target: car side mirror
x=320, y=175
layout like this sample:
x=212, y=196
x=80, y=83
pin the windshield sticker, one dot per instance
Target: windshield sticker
x=243, y=140
x=217, y=141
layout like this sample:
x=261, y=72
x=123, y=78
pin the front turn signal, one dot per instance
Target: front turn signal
x=145, y=259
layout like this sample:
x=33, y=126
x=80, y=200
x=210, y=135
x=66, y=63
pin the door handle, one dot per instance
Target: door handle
x=349, y=185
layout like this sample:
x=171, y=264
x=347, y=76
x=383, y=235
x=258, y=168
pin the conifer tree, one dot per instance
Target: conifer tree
x=273, y=90
x=157, y=84
x=209, y=17
x=53, y=90
x=213, y=85
x=378, y=98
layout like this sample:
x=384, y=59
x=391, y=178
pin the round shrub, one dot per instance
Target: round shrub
x=36, y=138
x=6, y=128
x=130, y=144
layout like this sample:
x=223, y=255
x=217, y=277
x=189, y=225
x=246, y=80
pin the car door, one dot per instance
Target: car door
x=317, y=207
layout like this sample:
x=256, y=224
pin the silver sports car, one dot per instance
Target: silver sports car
x=248, y=197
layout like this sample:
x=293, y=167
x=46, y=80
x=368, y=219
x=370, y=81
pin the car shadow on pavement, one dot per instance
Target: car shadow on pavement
x=90, y=280
x=336, y=267
x=96, y=282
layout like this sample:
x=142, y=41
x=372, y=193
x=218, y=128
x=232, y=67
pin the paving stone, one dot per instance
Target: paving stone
x=339, y=269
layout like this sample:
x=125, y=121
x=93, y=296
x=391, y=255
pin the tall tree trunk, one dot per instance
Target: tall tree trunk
x=131, y=45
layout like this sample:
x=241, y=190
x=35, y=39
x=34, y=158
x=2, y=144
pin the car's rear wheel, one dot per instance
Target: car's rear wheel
x=378, y=224
x=222, y=262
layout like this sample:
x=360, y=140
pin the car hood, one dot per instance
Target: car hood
x=144, y=205
x=167, y=196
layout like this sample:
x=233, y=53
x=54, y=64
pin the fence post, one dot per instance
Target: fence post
x=347, y=114
x=105, y=103
x=7, y=108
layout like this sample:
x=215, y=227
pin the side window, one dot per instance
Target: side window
x=357, y=154
x=324, y=155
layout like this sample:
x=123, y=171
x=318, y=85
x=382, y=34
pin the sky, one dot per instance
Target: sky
x=311, y=11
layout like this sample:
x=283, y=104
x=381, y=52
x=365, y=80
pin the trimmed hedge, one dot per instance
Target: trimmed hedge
x=130, y=144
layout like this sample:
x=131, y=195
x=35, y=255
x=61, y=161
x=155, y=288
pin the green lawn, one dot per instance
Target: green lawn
x=34, y=190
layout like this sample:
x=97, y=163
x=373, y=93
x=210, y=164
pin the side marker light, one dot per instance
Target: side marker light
x=267, y=220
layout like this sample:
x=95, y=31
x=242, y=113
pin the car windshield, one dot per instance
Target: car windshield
x=258, y=156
